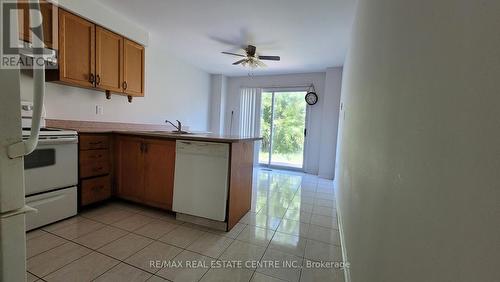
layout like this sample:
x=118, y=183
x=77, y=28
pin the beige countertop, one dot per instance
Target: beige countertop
x=191, y=136
x=145, y=130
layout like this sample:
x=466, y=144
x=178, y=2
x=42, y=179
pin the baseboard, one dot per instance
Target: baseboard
x=217, y=225
x=347, y=270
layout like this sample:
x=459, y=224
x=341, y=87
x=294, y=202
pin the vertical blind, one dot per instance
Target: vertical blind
x=249, y=111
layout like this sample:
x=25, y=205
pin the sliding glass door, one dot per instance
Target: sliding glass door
x=283, y=128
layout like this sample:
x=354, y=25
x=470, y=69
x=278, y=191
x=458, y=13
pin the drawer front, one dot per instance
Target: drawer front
x=91, y=156
x=94, y=169
x=92, y=142
x=51, y=206
x=95, y=190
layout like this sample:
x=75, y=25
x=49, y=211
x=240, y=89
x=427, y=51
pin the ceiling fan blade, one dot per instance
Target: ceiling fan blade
x=270, y=58
x=234, y=54
x=239, y=62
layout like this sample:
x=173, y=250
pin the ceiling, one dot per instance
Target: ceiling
x=309, y=35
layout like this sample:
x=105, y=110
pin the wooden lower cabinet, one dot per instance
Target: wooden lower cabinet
x=144, y=170
x=129, y=171
x=95, y=190
x=94, y=168
x=159, y=163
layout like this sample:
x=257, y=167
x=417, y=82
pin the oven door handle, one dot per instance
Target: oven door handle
x=67, y=140
x=27, y=146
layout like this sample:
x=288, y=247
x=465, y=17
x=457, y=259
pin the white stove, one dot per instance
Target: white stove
x=50, y=173
x=50, y=133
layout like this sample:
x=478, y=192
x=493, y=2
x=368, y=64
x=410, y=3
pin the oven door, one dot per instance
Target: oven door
x=53, y=165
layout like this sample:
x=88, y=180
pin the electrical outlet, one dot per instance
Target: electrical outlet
x=99, y=110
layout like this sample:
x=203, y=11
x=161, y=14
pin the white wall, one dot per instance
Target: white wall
x=328, y=141
x=173, y=90
x=418, y=159
x=218, y=102
x=315, y=127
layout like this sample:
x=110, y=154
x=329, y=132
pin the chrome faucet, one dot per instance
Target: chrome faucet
x=178, y=127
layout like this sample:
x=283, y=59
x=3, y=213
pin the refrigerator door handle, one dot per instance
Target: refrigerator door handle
x=23, y=210
x=27, y=146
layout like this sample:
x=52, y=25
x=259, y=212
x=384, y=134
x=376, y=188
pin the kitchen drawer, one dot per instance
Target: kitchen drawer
x=95, y=190
x=94, y=169
x=52, y=206
x=93, y=142
x=91, y=156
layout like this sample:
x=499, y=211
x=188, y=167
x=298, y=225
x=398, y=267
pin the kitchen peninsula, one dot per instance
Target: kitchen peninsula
x=141, y=163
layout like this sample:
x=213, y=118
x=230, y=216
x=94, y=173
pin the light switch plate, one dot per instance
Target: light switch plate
x=99, y=110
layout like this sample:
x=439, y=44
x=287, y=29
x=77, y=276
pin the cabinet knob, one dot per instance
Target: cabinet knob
x=97, y=79
x=91, y=78
x=124, y=85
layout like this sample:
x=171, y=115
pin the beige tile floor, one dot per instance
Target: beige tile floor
x=293, y=219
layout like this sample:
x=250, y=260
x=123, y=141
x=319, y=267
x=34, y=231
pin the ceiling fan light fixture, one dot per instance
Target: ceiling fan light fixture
x=252, y=60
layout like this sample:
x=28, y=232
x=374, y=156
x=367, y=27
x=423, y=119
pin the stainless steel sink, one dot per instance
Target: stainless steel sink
x=179, y=132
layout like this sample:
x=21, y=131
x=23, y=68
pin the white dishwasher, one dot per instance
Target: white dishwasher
x=201, y=179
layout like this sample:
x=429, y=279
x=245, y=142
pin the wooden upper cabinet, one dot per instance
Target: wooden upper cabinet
x=49, y=23
x=89, y=56
x=23, y=20
x=133, y=68
x=76, y=50
x=109, y=60
x=129, y=172
x=159, y=163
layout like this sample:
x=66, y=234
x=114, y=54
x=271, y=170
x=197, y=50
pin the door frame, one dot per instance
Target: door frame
x=273, y=90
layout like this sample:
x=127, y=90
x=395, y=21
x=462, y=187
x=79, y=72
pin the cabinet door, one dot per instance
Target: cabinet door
x=49, y=23
x=159, y=163
x=23, y=21
x=129, y=161
x=109, y=60
x=133, y=68
x=76, y=50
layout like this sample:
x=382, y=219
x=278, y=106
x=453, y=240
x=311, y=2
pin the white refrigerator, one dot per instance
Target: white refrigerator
x=12, y=150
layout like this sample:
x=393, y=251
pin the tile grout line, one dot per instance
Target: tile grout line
x=233, y=238
x=94, y=250
x=156, y=240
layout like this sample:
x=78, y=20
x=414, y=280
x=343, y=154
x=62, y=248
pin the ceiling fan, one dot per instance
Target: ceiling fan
x=251, y=59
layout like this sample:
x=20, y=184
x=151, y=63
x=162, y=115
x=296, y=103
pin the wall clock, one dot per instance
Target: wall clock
x=311, y=98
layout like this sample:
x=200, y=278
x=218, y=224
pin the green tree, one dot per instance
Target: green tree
x=289, y=117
